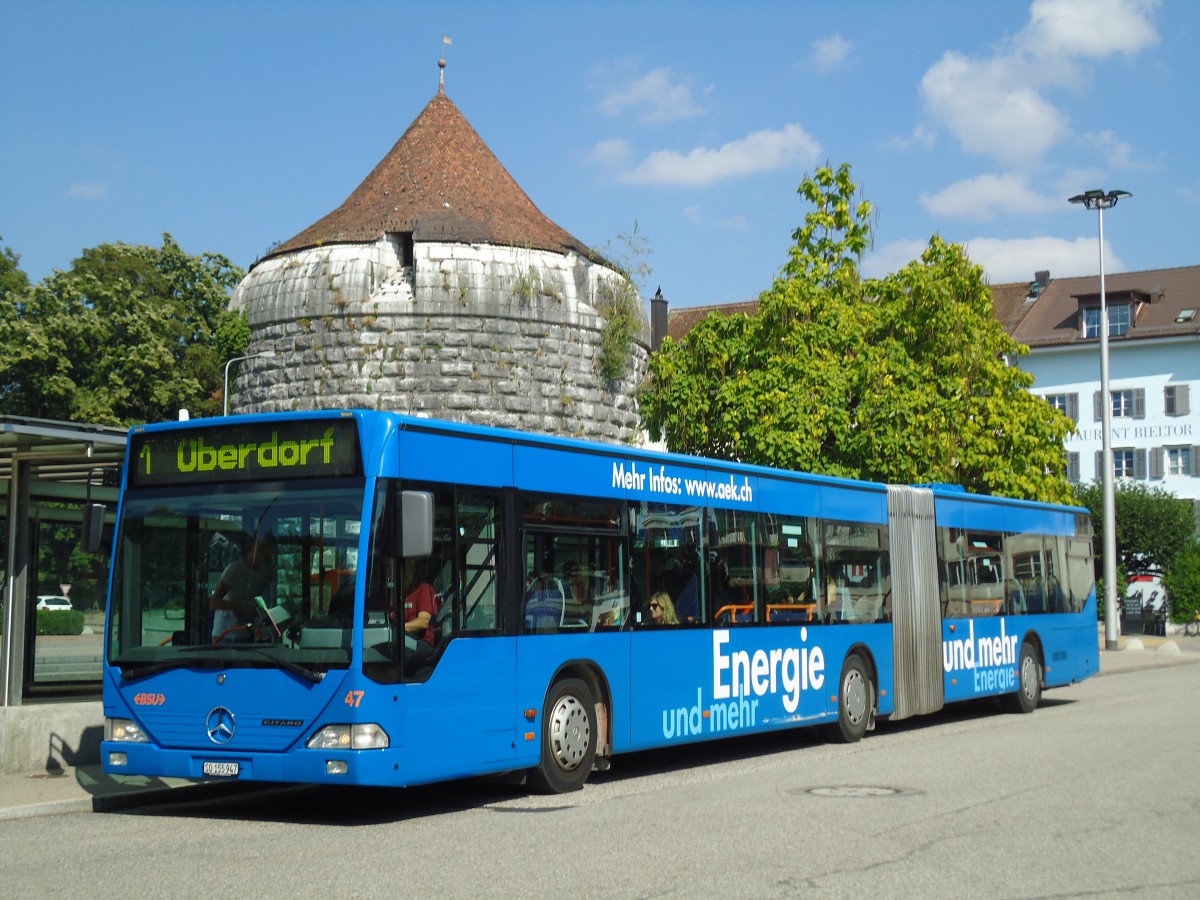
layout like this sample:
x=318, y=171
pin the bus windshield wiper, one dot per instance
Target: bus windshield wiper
x=286, y=664
x=145, y=671
x=137, y=673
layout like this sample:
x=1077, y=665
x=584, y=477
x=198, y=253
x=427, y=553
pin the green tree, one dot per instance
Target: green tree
x=1183, y=583
x=1153, y=525
x=902, y=379
x=128, y=334
x=13, y=282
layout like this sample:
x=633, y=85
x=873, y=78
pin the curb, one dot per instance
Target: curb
x=121, y=800
x=48, y=808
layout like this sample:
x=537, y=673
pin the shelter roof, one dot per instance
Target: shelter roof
x=60, y=452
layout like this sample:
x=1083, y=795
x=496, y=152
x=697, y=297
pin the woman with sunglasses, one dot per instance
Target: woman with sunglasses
x=662, y=610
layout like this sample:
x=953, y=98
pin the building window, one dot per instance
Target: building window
x=1066, y=403
x=1091, y=321
x=1175, y=400
x=1122, y=404
x=1073, y=468
x=1123, y=463
x=1118, y=320
x=1128, y=462
x=1179, y=461
x=1128, y=403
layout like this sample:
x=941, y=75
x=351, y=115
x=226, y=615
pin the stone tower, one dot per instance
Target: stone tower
x=438, y=288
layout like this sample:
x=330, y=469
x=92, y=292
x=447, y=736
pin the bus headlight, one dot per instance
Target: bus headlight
x=125, y=730
x=361, y=736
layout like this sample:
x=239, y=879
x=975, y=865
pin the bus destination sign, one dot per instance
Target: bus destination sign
x=312, y=448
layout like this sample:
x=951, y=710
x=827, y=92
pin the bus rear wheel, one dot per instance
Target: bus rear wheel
x=1029, y=683
x=568, y=738
x=856, y=695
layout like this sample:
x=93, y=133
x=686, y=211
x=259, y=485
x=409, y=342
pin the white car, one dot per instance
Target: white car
x=58, y=604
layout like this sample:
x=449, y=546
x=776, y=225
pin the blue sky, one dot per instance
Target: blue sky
x=235, y=125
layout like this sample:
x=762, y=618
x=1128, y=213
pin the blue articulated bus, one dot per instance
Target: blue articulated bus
x=368, y=598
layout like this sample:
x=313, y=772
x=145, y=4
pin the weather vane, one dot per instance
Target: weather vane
x=446, y=42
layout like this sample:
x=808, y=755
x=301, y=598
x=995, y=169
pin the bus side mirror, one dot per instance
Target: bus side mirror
x=93, y=526
x=416, y=525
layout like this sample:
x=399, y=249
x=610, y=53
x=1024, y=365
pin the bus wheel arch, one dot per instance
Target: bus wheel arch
x=1031, y=676
x=575, y=726
x=857, y=696
x=593, y=676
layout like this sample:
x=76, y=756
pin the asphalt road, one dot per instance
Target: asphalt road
x=1096, y=794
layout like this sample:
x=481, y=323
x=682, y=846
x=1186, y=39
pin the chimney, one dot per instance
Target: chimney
x=1041, y=278
x=658, y=320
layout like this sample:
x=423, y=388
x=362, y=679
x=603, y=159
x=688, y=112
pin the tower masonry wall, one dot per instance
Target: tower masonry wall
x=472, y=333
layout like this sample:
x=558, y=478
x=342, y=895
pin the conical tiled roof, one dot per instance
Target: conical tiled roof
x=442, y=183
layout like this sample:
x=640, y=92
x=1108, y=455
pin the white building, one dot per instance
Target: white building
x=1154, y=368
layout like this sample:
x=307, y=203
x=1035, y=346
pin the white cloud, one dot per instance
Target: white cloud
x=985, y=196
x=1077, y=179
x=829, y=51
x=1190, y=193
x=995, y=105
x=760, y=151
x=658, y=96
x=1006, y=260
x=891, y=257
x=919, y=137
x=88, y=190
x=1119, y=155
x=611, y=152
x=694, y=215
x=1093, y=29
x=991, y=112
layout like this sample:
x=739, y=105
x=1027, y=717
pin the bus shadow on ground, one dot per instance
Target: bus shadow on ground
x=350, y=806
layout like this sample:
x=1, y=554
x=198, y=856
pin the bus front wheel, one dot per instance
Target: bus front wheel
x=1029, y=683
x=855, y=700
x=568, y=738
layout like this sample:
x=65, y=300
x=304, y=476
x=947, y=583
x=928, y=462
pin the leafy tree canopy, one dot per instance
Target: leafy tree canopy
x=903, y=379
x=128, y=334
x=13, y=282
x=1153, y=525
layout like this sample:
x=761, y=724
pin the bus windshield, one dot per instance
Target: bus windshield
x=253, y=575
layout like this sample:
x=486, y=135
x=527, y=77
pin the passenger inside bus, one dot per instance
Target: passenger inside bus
x=576, y=583
x=662, y=610
x=837, y=598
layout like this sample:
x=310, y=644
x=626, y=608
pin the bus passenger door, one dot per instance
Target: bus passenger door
x=456, y=667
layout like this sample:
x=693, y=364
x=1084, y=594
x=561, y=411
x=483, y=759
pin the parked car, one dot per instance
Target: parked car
x=56, y=604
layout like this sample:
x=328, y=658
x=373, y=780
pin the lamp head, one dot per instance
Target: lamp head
x=1099, y=199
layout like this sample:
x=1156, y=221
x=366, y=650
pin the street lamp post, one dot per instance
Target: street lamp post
x=262, y=354
x=1100, y=201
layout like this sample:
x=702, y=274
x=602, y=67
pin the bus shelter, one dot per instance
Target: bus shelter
x=49, y=471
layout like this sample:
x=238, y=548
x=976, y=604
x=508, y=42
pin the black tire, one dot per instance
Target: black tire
x=569, y=739
x=856, y=699
x=1029, y=682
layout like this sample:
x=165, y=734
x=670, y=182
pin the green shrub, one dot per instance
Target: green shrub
x=1183, y=583
x=54, y=621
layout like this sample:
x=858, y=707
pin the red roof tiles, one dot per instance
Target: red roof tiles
x=440, y=182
